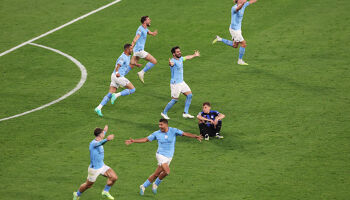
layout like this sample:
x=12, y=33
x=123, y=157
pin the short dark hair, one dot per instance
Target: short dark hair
x=206, y=103
x=174, y=48
x=126, y=46
x=98, y=131
x=143, y=19
x=163, y=121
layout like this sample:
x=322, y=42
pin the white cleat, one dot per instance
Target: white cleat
x=219, y=136
x=206, y=137
x=241, y=62
x=154, y=188
x=186, y=115
x=142, y=190
x=165, y=116
x=141, y=74
x=217, y=39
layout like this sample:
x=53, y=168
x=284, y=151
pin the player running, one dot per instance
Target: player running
x=177, y=83
x=139, y=45
x=122, y=68
x=166, y=137
x=237, y=12
x=97, y=166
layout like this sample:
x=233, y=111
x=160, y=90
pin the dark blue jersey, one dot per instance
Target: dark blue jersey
x=211, y=115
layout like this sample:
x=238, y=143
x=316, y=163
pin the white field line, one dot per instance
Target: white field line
x=79, y=85
x=58, y=28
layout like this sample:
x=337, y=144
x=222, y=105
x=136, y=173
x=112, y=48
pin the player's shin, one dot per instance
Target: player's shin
x=227, y=42
x=188, y=103
x=148, y=66
x=169, y=105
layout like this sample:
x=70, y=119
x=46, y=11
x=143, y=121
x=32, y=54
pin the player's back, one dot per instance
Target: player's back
x=140, y=44
x=177, y=71
x=96, y=154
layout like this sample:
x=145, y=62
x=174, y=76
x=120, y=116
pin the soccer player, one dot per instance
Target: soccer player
x=177, y=83
x=237, y=12
x=166, y=137
x=122, y=68
x=139, y=45
x=209, y=122
x=97, y=166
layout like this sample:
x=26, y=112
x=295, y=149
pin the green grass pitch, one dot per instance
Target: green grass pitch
x=287, y=114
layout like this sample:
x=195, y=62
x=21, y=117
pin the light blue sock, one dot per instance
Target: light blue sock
x=106, y=99
x=169, y=105
x=158, y=181
x=146, y=183
x=107, y=188
x=148, y=66
x=127, y=92
x=78, y=193
x=227, y=42
x=241, y=52
x=188, y=103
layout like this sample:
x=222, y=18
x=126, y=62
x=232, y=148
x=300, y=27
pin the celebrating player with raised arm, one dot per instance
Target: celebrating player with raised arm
x=166, y=137
x=122, y=68
x=139, y=47
x=97, y=166
x=237, y=13
x=177, y=83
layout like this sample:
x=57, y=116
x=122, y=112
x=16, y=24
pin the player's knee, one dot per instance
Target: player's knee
x=167, y=172
x=132, y=90
x=189, y=96
x=175, y=100
x=155, y=61
x=114, y=178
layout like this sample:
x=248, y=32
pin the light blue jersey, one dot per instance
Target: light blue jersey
x=166, y=141
x=237, y=16
x=177, y=71
x=124, y=62
x=140, y=44
x=96, y=153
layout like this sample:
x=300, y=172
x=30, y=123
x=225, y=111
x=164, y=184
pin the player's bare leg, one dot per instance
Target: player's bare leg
x=112, y=178
x=165, y=172
x=151, y=62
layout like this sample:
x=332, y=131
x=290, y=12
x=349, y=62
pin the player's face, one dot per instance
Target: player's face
x=163, y=126
x=130, y=50
x=177, y=53
x=148, y=22
x=206, y=109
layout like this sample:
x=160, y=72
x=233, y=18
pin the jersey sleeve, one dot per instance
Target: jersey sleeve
x=138, y=32
x=233, y=10
x=200, y=113
x=246, y=4
x=178, y=132
x=120, y=61
x=152, y=137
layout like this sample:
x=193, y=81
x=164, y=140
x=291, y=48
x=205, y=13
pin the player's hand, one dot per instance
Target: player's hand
x=130, y=141
x=155, y=33
x=105, y=128
x=199, y=138
x=110, y=137
x=211, y=121
x=197, y=53
x=171, y=63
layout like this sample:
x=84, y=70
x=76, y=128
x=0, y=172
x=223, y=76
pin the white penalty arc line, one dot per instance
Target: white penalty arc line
x=58, y=28
x=79, y=85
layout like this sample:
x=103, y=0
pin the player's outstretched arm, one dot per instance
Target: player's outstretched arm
x=196, y=54
x=252, y=1
x=153, y=33
x=137, y=37
x=105, y=129
x=198, y=137
x=240, y=4
x=130, y=141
